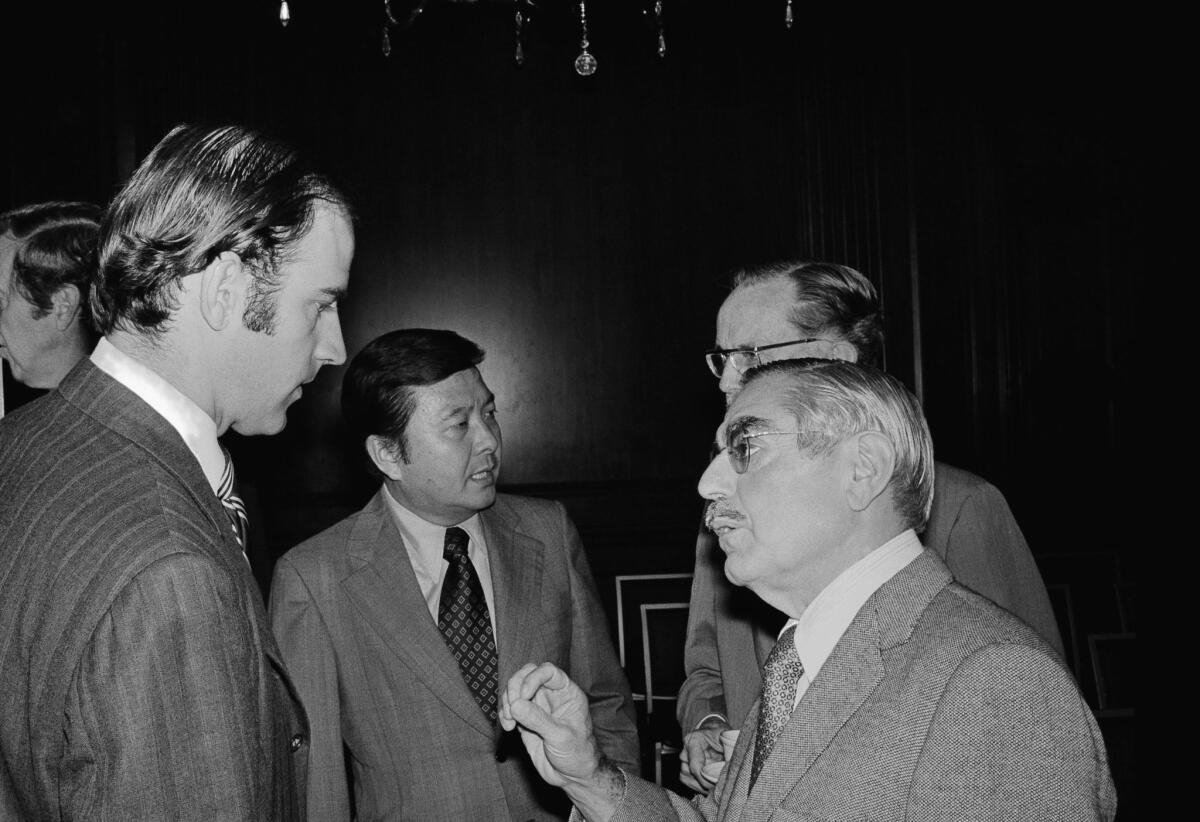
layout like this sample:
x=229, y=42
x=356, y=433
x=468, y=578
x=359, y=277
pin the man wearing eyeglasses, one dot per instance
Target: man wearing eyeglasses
x=893, y=693
x=827, y=311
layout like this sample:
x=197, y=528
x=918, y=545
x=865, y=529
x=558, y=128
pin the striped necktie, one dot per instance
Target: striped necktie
x=235, y=509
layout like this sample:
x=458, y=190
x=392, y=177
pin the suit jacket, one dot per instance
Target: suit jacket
x=139, y=675
x=378, y=679
x=731, y=631
x=935, y=706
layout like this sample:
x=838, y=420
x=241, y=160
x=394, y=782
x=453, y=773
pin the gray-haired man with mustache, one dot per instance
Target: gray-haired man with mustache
x=830, y=311
x=892, y=692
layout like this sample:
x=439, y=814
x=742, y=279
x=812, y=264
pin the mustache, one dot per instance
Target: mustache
x=718, y=509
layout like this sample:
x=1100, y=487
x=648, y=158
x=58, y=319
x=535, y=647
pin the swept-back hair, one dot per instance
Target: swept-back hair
x=377, y=391
x=830, y=298
x=56, y=247
x=838, y=399
x=199, y=193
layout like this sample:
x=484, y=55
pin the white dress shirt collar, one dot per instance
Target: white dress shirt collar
x=425, y=543
x=197, y=429
x=825, y=620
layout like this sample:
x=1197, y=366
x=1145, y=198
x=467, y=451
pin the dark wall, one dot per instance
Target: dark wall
x=581, y=230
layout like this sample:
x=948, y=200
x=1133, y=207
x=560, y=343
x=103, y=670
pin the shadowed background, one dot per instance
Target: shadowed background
x=581, y=230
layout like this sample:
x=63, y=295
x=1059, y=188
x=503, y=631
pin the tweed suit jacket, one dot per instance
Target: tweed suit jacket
x=935, y=706
x=731, y=631
x=138, y=672
x=379, y=682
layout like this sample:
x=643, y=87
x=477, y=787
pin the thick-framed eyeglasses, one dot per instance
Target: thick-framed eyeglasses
x=737, y=443
x=743, y=359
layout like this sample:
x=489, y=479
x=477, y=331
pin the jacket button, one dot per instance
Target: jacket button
x=297, y=741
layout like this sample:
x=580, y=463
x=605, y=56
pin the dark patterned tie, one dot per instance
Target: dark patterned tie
x=235, y=509
x=464, y=622
x=781, y=672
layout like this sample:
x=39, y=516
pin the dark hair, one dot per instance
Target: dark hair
x=199, y=193
x=56, y=247
x=377, y=395
x=829, y=298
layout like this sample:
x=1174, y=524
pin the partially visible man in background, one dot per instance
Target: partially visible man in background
x=828, y=311
x=140, y=678
x=47, y=264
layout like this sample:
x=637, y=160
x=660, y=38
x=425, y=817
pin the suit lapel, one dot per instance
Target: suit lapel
x=115, y=407
x=847, y=679
x=517, y=563
x=385, y=590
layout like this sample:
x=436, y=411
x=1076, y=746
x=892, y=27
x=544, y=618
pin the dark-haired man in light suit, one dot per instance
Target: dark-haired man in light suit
x=401, y=622
x=892, y=693
x=139, y=674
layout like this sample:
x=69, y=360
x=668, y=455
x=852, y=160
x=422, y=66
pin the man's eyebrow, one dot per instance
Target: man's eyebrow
x=748, y=422
x=334, y=294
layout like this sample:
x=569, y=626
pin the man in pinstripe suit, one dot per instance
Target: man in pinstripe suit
x=139, y=675
x=892, y=692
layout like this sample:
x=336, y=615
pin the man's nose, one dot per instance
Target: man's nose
x=731, y=380
x=331, y=350
x=488, y=439
x=716, y=481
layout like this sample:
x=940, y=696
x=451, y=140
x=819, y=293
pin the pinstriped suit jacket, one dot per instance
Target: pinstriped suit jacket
x=138, y=673
x=935, y=706
x=376, y=675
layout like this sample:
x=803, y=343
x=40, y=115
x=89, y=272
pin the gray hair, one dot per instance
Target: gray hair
x=839, y=399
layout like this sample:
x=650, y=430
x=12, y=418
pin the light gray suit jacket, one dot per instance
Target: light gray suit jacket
x=377, y=678
x=935, y=706
x=731, y=631
x=139, y=678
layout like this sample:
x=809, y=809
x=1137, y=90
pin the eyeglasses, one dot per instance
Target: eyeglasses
x=743, y=359
x=737, y=443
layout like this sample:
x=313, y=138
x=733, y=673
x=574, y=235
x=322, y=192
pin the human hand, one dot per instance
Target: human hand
x=551, y=713
x=701, y=750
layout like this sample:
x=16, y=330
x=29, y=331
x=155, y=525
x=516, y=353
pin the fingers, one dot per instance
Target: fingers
x=517, y=704
x=696, y=753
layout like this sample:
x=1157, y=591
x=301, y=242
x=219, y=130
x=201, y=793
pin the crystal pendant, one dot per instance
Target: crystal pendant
x=585, y=64
x=387, y=43
x=662, y=46
x=787, y=15
x=285, y=14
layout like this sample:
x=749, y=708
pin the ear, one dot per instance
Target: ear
x=385, y=454
x=64, y=305
x=222, y=290
x=872, y=461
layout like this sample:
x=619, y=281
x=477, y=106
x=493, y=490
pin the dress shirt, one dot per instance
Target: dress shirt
x=197, y=429
x=425, y=543
x=820, y=627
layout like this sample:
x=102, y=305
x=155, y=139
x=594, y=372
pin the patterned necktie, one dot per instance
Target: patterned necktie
x=781, y=672
x=464, y=622
x=235, y=509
